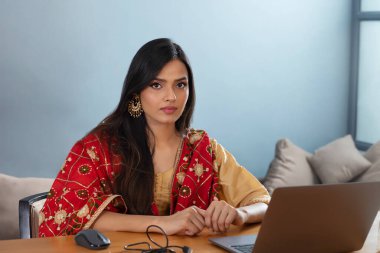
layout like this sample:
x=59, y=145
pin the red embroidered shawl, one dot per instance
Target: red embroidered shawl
x=83, y=187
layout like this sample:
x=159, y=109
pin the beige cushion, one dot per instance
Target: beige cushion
x=289, y=167
x=373, y=153
x=370, y=175
x=12, y=190
x=338, y=161
x=34, y=216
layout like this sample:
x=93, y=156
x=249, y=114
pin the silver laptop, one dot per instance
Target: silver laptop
x=317, y=218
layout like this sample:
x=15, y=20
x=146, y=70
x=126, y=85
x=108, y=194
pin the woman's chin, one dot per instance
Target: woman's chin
x=163, y=121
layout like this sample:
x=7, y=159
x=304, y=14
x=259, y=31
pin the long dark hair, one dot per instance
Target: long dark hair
x=128, y=137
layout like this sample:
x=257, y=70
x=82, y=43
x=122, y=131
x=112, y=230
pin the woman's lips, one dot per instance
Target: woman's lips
x=169, y=109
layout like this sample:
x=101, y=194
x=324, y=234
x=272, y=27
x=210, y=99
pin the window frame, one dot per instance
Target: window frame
x=357, y=17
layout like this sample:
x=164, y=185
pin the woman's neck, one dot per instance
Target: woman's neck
x=162, y=135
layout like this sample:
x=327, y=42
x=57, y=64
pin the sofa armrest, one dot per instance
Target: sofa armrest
x=26, y=214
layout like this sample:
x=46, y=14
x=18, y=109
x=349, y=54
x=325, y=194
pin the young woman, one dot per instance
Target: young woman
x=143, y=165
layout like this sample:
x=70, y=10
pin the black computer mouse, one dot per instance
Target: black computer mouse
x=92, y=239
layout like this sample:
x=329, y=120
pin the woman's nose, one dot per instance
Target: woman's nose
x=170, y=95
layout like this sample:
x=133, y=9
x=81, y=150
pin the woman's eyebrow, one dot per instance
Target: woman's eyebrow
x=179, y=79
x=182, y=79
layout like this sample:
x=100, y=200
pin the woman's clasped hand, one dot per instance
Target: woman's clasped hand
x=217, y=218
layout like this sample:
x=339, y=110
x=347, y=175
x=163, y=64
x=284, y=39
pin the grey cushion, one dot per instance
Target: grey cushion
x=370, y=175
x=12, y=190
x=373, y=153
x=338, y=161
x=289, y=167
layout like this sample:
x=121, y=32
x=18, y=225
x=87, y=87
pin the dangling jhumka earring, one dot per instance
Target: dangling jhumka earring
x=135, y=107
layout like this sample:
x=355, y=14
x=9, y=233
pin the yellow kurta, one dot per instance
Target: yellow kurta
x=238, y=186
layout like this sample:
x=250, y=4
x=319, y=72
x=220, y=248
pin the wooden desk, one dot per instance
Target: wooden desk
x=66, y=244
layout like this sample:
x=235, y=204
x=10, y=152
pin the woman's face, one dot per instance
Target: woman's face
x=164, y=99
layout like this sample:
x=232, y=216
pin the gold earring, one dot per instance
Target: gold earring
x=135, y=107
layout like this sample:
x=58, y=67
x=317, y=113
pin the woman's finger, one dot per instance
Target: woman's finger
x=197, y=219
x=191, y=229
x=230, y=218
x=222, y=218
x=215, y=218
x=208, y=215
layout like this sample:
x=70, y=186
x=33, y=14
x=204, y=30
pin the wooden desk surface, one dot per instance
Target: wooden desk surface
x=200, y=243
x=66, y=244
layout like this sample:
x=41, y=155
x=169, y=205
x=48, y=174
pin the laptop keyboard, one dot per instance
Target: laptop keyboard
x=247, y=248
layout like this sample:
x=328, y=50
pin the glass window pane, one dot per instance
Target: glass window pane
x=370, y=5
x=368, y=114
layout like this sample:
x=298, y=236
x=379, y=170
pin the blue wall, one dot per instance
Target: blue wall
x=263, y=70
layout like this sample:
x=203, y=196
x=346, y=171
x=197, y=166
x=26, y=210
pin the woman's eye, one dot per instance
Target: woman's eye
x=155, y=85
x=181, y=85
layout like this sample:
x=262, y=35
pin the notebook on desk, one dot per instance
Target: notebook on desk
x=317, y=218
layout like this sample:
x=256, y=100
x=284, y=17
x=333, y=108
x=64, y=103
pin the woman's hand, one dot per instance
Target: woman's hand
x=189, y=221
x=220, y=215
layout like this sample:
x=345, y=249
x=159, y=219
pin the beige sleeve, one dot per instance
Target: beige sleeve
x=238, y=186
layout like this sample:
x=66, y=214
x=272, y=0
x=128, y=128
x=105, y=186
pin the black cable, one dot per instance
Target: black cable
x=160, y=249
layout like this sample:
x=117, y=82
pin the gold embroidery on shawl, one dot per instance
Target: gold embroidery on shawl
x=59, y=217
x=104, y=154
x=99, y=211
x=84, y=169
x=195, y=137
x=182, y=206
x=198, y=170
x=204, y=181
x=92, y=154
x=77, y=182
x=63, y=167
x=82, y=194
x=185, y=191
x=215, y=166
x=181, y=177
x=83, y=212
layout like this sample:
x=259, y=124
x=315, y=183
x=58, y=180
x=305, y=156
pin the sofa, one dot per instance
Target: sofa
x=337, y=162
x=12, y=190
